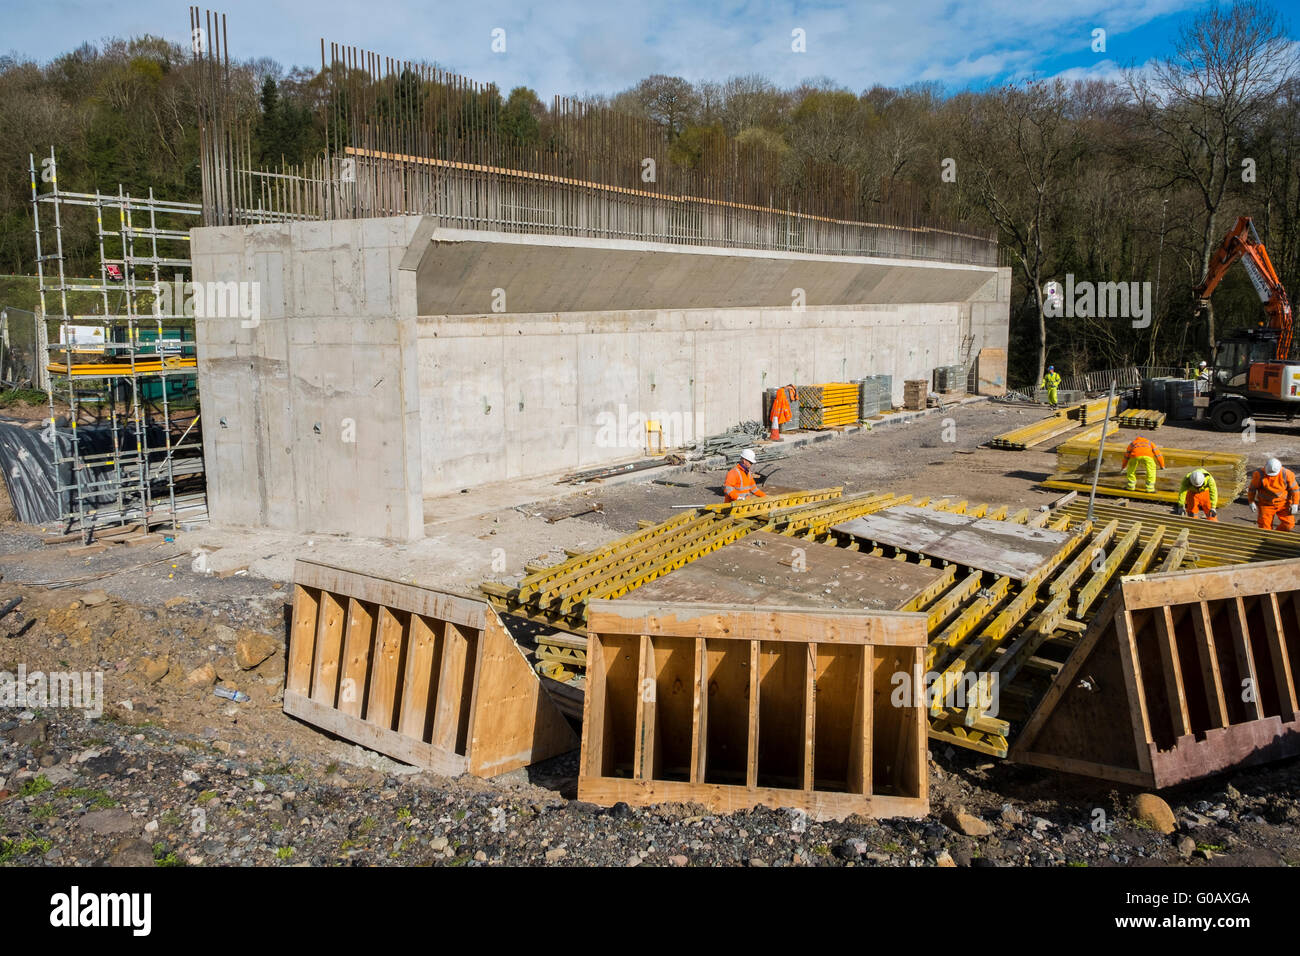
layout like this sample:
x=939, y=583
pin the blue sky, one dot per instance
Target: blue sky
x=579, y=46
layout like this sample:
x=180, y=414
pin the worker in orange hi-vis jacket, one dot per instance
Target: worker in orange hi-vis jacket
x=781, y=410
x=1274, y=494
x=740, y=482
x=1142, y=451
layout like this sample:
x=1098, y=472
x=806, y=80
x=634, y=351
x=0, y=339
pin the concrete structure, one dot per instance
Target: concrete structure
x=394, y=360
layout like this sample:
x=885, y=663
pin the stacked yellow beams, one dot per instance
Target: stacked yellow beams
x=825, y=406
x=1018, y=439
x=1094, y=411
x=1209, y=543
x=1075, y=460
x=1093, y=433
x=1141, y=418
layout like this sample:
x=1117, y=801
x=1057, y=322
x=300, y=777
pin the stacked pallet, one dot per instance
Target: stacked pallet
x=915, y=392
x=1075, y=460
x=828, y=405
x=1141, y=418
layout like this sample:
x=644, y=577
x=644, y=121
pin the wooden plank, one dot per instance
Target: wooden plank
x=1208, y=657
x=773, y=569
x=863, y=727
x=385, y=669
x=751, y=770
x=435, y=604
x=1245, y=659
x=367, y=734
x=512, y=721
x=809, y=715
x=455, y=679
x=1171, y=667
x=329, y=648
x=1211, y=584
x=1137, y=701
x=420, y=685
x=302, y=639
x=1001, y=547
x=358, y=638
x=784, y=623
x=1275, y=635
x=591, y=758
x=700, y=715
x=819, y=805
x=643, y=748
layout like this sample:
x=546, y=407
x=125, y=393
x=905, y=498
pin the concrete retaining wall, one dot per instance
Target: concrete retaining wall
x=381, y=371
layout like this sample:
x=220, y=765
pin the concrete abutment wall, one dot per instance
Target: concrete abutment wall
x=379, y=370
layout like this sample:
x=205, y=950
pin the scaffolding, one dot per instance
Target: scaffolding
x=121, y=453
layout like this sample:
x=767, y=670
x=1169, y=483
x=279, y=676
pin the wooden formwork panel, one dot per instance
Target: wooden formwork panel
x=1180, y=675
x=734, y=707
x=424, y=676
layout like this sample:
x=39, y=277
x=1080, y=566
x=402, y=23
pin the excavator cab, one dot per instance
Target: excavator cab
x=1236, y=356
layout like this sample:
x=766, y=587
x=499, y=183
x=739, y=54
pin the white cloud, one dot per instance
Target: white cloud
x=576, y=46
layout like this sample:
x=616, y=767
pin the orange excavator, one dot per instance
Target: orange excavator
x=1254, y=374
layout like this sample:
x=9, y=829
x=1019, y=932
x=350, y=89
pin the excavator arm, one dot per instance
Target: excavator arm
x=1243, y=243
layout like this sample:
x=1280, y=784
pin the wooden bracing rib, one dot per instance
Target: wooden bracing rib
x=735, y=707
x=424, y=676
x=1180, y=675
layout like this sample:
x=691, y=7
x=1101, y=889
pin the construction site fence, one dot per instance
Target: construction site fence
x=1131, y=376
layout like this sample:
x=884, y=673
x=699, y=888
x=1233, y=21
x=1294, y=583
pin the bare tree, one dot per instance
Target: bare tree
x=1020, y=151
x=1199, y=105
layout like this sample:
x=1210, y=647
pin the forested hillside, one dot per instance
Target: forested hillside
x=1134, y=178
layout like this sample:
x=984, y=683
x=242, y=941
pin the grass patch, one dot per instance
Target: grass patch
x=11, y=850
x=44, y=811
x=366, y=826
x=23, y=396
x=91, y=795
x=164, y=857
x=284, y=853
x=38, y=784
x=207, y=795
x=171, y=818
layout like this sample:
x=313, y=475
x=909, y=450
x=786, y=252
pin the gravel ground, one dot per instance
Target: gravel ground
x=173, y=775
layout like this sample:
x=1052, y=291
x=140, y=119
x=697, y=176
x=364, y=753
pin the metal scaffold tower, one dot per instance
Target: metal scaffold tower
x=124, y=414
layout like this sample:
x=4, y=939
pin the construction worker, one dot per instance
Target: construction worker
x=1198, y=494
x=1274, y=494
x=781, y=411
x=1051, y=382
x=1142, y=451
x=1204, y=378
x=740, y=482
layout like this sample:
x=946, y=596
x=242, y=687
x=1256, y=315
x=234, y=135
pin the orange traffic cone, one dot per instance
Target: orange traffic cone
x=776, y=432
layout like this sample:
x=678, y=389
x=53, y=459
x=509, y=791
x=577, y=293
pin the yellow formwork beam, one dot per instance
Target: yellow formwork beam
x=932, y=590
x=969, y=618
x=1090, y=591
x=947, y=605
x=1065, y=580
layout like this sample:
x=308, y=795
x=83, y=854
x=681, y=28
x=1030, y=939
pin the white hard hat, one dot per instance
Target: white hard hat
x=748, y=455
x=1203, y=365
x=1198, y=477
x=1272, y=466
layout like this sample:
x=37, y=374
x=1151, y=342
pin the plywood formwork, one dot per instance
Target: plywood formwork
x=1180, y=675
x=734, y=707
x=424, y=676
